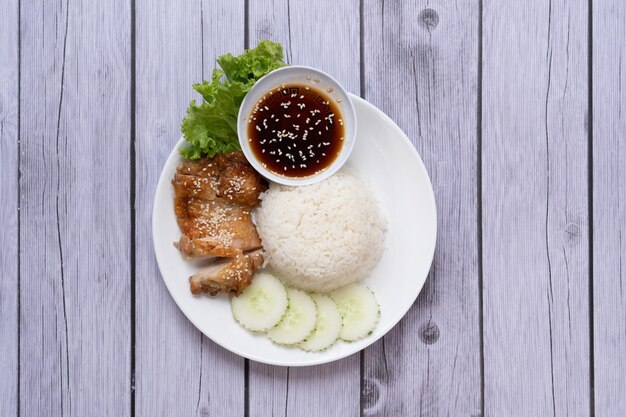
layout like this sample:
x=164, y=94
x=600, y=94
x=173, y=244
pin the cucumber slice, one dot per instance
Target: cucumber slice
x=359, y=311
x=298, y=321
x=261, y=306
x=327, y=326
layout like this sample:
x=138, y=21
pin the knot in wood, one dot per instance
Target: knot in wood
x=371, y=393
x=572, y=230
x=428, y=19
x=161, y=129
x=429, y=333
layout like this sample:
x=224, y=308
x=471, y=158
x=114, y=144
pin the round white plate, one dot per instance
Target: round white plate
x=384, y=157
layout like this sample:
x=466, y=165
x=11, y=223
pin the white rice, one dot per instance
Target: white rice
x=322, y=236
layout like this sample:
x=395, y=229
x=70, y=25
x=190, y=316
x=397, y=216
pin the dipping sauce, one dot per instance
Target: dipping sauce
x=295, y=130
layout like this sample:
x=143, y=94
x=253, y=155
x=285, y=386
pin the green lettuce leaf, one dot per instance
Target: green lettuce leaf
x=210, y=127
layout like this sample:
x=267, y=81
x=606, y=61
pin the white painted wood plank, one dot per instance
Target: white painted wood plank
x=9, y=30
x=322, y=34
x=535, y=208
x=178, y=370
x=75, y=211
x=609, y=206
x=421, y=68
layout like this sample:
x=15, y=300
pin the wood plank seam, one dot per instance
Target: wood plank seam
x=133, y=202
x=479, y=208
x=590, y=215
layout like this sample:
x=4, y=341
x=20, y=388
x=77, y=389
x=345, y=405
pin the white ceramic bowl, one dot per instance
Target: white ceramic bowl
x=305, y=76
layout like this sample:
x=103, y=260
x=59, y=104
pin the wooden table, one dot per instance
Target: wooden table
x=515, y=107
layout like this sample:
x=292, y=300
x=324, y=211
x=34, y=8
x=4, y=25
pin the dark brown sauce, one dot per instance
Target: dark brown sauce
x=296, y=130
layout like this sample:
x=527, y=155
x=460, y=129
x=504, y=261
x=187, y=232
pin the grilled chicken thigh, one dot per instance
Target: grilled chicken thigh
x=214, y=228
x=239, y=183
x=229, y=276
x=213, y=200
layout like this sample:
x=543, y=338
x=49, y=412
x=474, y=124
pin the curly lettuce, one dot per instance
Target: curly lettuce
x=210, y=127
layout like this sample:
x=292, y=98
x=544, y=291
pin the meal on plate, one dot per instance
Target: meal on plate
x=291, y=257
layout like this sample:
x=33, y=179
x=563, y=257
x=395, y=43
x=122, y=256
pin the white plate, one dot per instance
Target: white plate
x=384, y=157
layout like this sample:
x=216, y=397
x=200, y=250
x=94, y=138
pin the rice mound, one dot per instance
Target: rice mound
x=323, y=236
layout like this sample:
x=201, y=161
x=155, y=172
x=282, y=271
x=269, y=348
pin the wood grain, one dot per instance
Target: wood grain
x=75, y=212
x=535, y=208
x=323, y=34
x=178, y=370
x=609, y=206
x=421, y=69
x=9, y=32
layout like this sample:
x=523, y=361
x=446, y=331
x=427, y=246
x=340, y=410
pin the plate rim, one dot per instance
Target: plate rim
x=431, y=197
